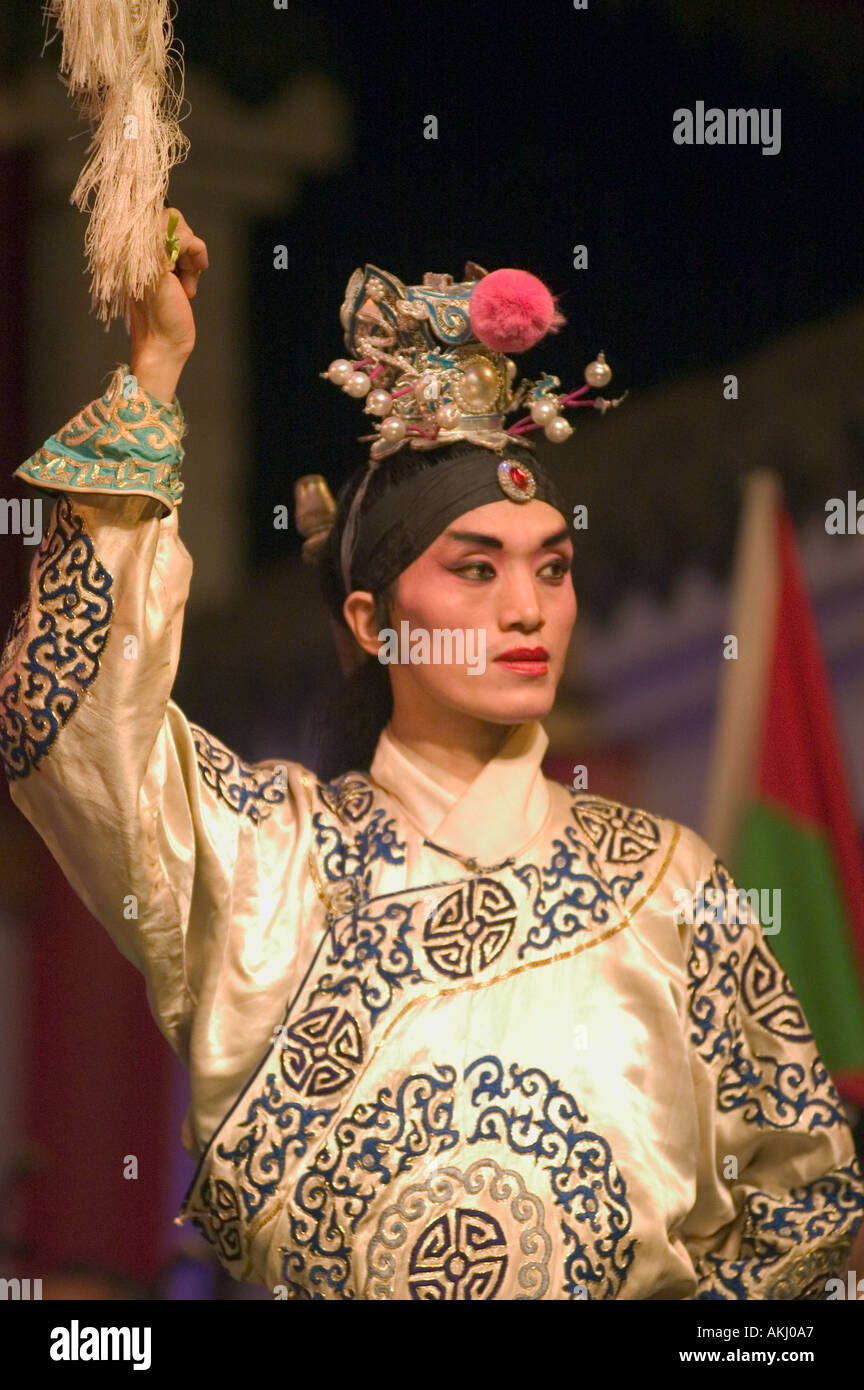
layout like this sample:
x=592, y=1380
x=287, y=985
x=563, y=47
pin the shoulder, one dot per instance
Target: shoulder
x=677, y=888
x=252, y=790
x=280, y=788
x=353, y=805
x=351, y=797
x=621, y=835
x=617, y=833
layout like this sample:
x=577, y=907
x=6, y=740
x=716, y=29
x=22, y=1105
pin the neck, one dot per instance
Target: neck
x=459, y=744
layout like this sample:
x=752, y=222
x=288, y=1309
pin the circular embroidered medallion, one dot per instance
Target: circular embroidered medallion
x=348, y=796
x=461, y=1256
x=320, y=1051
x=768, y=997
x=469, y=928
x=623, y=834
x=446, y=1240
x=516, y=480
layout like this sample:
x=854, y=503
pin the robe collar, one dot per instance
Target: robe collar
x=491, y=818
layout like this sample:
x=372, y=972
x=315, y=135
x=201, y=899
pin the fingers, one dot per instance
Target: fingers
x=190, y=264
x=193, y=254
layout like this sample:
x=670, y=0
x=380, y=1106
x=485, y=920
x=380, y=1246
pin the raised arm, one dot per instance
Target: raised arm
x=145, y=813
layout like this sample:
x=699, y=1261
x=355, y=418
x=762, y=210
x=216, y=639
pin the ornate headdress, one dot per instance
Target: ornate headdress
x=432, y=363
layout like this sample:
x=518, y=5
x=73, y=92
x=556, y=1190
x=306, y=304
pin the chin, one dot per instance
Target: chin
x=512, y=707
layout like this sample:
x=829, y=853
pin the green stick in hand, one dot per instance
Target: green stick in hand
x=172, y=245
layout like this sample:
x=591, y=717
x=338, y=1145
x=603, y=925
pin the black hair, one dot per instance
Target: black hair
x=346, y=728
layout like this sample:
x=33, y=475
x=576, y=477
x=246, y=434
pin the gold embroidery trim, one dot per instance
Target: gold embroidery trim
x=304, y=778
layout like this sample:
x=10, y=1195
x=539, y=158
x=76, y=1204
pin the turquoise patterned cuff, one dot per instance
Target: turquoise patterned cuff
x=126, y=442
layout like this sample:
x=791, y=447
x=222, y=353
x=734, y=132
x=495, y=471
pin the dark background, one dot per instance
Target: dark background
x=555, y=129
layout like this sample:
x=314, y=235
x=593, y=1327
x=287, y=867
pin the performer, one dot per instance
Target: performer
x=452, y=1030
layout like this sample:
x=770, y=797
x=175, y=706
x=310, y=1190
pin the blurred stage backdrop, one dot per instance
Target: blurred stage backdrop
x=307, y=131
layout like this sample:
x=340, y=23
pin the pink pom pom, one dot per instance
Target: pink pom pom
x=511, y=310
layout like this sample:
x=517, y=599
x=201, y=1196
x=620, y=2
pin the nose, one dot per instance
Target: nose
x=520, y=604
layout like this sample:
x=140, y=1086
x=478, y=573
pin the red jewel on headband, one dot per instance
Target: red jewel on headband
x=516, y=481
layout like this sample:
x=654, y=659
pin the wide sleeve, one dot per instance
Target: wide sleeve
x=779, y=1193
x=134, y=802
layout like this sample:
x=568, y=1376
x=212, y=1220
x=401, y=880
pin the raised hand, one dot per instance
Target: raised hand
x=162, y=323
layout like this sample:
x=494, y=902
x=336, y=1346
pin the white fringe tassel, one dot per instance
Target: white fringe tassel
x=118, y=67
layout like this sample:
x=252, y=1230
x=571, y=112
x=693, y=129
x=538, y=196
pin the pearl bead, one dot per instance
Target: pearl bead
x=558, y=430
x=543, y=411
x=479, y=386
x=393, y=428
x=357, y=385
x=598, y=373
x=447, y=415
x=340, y=371
x=379, y=402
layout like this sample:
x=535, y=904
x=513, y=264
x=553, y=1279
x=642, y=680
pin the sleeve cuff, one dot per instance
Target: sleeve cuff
x=127, y=442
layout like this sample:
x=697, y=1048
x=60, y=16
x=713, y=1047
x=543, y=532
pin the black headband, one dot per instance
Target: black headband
x=403, y=522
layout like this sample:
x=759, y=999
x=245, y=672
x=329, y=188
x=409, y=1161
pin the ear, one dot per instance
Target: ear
x=359, y=613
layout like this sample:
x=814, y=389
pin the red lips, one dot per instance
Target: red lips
x=524, y=654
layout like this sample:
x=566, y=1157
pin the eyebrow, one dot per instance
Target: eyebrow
x=493, y=543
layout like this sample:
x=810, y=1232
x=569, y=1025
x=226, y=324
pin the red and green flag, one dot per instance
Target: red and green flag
x=779, y=809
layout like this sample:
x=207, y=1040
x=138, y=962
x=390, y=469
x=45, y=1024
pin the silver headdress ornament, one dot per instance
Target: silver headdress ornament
x=432, y=360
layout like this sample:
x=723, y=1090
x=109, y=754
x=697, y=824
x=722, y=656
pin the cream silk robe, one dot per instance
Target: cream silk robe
x=444, y=1043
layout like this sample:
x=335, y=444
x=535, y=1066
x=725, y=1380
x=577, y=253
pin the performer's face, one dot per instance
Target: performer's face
x=501, y=574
